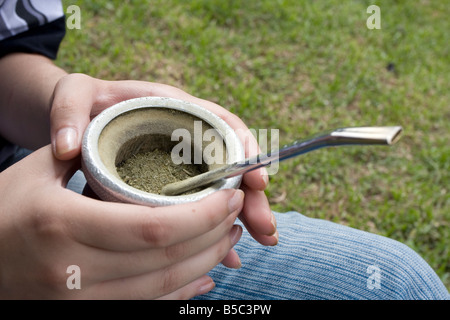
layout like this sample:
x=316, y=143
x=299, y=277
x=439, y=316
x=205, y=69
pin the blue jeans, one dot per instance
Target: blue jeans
x=317, y=259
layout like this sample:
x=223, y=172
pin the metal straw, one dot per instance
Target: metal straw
x=338, y=137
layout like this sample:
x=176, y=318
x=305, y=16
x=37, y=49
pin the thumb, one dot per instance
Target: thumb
x=43, y=170
x=70, y=114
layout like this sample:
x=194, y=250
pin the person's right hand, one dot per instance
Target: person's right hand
x=123, y=251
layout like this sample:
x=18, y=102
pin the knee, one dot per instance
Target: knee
x=400, y=273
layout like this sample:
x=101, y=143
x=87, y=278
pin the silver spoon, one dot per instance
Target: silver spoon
x=338, y=137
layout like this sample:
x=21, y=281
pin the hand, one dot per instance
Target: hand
x=123, y=251
x=78, y=98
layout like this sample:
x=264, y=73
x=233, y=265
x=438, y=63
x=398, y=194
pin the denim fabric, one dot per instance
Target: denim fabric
x=317, y=259
x=10, y=154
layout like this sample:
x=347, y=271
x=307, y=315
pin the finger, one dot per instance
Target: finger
x=70, y=114
x=42, y=168
x=258, y=217
x=232, y=260
x=257, y=212
x=102, y=265
x=127, y=227
x=164, y=281
x=261, y=238
x=198, y=287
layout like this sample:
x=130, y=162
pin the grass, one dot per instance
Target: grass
x=303, y=67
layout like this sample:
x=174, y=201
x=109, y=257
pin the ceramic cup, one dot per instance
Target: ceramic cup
x=144, y=124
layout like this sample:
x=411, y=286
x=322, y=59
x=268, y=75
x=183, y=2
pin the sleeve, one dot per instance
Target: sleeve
x=32, y=27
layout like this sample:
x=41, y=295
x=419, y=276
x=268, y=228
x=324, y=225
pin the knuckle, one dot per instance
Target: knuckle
x=52, y=277
x=213, y=217
x=51, y=268
x=170, y=280
x=176, y=252
x=214, y=211
x=63, y=106
x=65, y=100
x=47, y=225
x=155, y=232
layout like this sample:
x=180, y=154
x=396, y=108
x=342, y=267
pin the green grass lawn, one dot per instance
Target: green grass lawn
x=303, y=67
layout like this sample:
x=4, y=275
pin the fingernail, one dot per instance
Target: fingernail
x=273, y=224
x=265, y=176
x=66, y=140
x=235, y=234
x=276, y=237
x=274, y=221
x=236, y=201
x=238, y=262
x=206, y=287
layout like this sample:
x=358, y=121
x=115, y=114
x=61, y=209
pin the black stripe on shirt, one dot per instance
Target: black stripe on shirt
x=44, y=40
x=27, y=12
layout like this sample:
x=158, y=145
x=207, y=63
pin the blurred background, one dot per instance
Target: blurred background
x=304, y=67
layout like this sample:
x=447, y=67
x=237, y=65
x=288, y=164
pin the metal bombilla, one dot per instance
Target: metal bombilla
x=338, y=137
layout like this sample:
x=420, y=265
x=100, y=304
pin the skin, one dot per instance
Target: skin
x=124, y=251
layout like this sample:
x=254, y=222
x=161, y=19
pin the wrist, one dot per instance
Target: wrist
x=26, y=87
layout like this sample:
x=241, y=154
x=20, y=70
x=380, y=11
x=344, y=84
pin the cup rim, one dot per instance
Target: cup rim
x=122, y=192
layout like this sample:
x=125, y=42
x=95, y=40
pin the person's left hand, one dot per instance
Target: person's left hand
x=78, y=98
